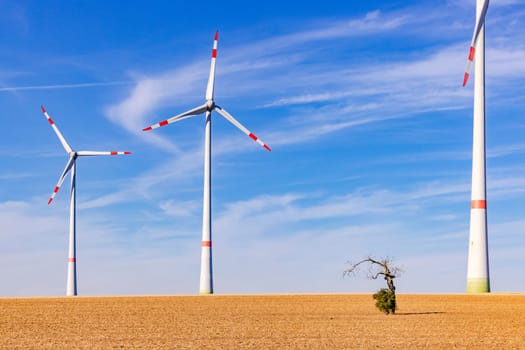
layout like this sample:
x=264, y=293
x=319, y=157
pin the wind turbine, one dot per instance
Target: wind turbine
x=206, y=277
x=71, y=288
x=478, y=258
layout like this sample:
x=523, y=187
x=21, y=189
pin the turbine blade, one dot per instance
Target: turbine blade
x=187, y=114
x=69, y=164
x=232, y=120
x=211, y=79
x=97, y=153
x=59, y=134
x=480, y=22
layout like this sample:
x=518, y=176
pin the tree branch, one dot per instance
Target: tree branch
x=385, y=269
x=374, y=277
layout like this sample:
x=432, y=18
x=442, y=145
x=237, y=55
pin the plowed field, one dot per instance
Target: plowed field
x=351, y=321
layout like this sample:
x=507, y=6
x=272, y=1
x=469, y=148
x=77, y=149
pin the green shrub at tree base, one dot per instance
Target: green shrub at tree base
x=386, y=301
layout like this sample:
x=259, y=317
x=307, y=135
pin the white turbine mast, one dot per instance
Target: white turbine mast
x=71, y=287
x=478, y=280
x=206, y=277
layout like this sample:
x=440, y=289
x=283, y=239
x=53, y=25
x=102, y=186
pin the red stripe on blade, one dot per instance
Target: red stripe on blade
x=465, y=79
x=267, y=147
x=253, y=137
x=214, y=53
x=206, y=243
x=127, y=152
x=471, y=53
x=43, y=109
x=73, y=260
x=147, y=129
x=164, y=122
x=49, y=201
x=478, y=204
x=50, y=121
x=56, y=189
x=113, y=153
x=216, y=35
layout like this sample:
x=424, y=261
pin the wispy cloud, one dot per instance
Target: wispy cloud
x=184, y=84
x=260, y=231
x=316, y=99
x=62, y=86
x=309, y=98
x=16, y=176
x=153, y=181
x=328, y=92
x=172, y=208
x=373, y=22
x=149, y=94
x=506, y=150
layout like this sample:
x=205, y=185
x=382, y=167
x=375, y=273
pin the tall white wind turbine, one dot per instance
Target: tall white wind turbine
x=478, y=280
x=206, y=277
x=71, y=288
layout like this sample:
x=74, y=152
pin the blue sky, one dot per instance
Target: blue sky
x=361, y=103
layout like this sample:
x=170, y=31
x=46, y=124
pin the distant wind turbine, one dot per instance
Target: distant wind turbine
x=71, y=288
x=478, y=280
x=206, y=277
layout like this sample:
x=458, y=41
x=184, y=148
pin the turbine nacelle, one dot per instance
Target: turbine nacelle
x=210, y=105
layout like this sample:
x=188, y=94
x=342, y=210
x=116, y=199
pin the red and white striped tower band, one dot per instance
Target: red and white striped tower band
x=478, y=280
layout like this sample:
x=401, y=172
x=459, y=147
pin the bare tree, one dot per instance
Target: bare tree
x=379, y=267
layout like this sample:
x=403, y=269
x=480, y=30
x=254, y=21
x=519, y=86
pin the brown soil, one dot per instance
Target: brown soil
x=494, y=321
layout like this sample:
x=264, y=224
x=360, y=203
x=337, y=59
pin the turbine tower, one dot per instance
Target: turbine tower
x=206, y=276
x=71, y=287
x=478, y=280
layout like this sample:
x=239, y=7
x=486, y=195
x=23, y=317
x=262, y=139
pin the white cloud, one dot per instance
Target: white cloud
x=372, y=23
x=15, y=176
x=307, y=90
x=62, y=86
x=506, y=150
x=171, y=208
x=186, y=83
x=306, y=236
x=150, y=93
x=332, y=94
